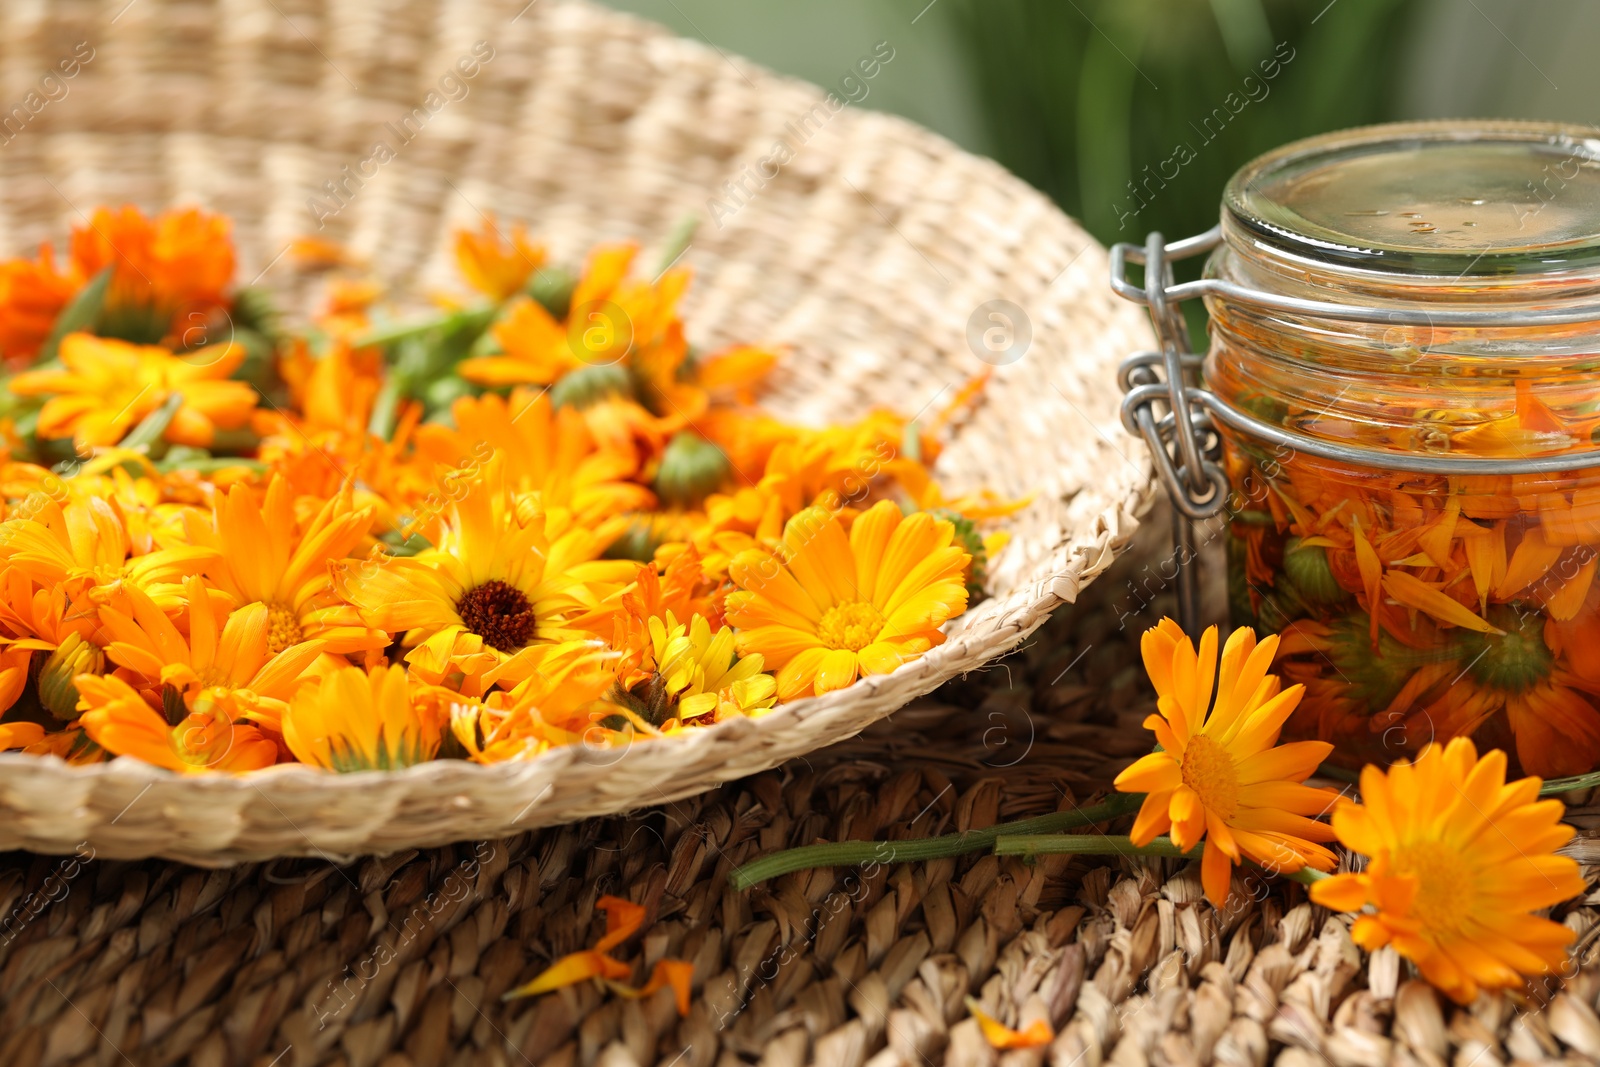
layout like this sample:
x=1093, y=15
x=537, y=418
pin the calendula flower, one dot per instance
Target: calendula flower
x=683, y=671
x=548, y=452
x=831, y=606
x=558, y=703
x=494, y=587
x=744, y=698
x=162, y=268
x=1220, y=775
x=119, y=719
x=497, y=264
x=106, y=387
x=611, y=320
x=1457, y=859
x=32, y=296
x=233, y=673
x=267, y=556
x=83, y=550
x=356, y=720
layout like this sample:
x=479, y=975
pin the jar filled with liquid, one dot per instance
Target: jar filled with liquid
x=1415, y=604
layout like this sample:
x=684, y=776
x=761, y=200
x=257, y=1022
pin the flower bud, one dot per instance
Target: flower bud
x=590, y=385
x=58, y=692
x=692, y=468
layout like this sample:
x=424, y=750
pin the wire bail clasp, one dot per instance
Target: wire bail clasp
x=1165, y=404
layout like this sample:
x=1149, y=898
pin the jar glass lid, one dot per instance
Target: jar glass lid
x=1451, y=198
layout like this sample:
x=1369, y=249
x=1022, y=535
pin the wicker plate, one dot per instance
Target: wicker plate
x=871, y=251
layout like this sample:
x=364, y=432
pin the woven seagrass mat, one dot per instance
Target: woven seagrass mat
x=401, y=961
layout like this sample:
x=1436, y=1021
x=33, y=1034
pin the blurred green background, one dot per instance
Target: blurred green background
x=1083, y=97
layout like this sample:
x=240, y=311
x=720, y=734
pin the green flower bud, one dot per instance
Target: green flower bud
x=1306, y=567
x=692, y=468
x=552, y=287
x=638, y=542
x=968, y=537
x=58, y=692
x=590, y=385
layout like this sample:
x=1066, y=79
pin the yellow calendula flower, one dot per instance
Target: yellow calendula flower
x=1221, y=775
x=831, y=606
x=106, y=387
x=684, y=671
x=496, y=586
x=1457, y=859
x=495, y=263
x=363, y=720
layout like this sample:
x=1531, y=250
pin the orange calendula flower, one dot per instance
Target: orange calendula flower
x=1457, y=859
x=32, y=296
x=106, y=387
x=266, y=556
x=623, y=920
x=120, y=720
x=831, y=606
x=557, y=704
x=548, y=452
x=497, y=264
x=84, y=550
x=162, y=268
x=356, y=720
x=1221, y=775
x=232, y=673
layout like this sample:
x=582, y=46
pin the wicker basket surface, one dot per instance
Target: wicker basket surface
x=871, y=251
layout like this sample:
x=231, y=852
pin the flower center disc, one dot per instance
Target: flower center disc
x=1515, y=662
x=283, y=628
x=1209, y=771
x=498, y=613
x=1444, y=884
x=853, y=626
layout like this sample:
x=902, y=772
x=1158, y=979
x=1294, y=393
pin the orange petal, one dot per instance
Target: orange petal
x=623, y=919
x=570, y=970
x=675, y=973
x=1371, y=574
x=1415, y=593
x=1533, y=558
x=1000, y=1036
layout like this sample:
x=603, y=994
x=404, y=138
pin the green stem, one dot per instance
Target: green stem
x=1568, y=785
x=855, y=853
x=386, y=406
x=150, y=430
x=399, y=331
x=1307, y=876
x=1087, y=845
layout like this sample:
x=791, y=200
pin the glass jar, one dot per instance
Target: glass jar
x=1403, y=392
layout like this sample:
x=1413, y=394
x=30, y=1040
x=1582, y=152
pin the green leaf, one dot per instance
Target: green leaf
x=144, y=436
x=80, y=314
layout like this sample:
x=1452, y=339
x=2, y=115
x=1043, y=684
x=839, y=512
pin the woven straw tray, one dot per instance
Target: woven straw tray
x=870, y=251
